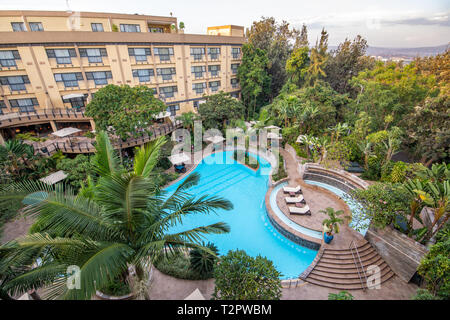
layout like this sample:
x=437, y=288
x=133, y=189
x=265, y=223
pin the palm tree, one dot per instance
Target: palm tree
x=18, y=155
x=414, y=189
x=333, y=221
x=116, y=229
x=366, y=149
x=187, y=119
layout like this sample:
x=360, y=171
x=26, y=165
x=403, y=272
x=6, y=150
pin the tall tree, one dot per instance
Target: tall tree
x=278, y=40
x=123, y=224
x=302, y=40
x=297, y=65
x=254, y=78
x=123, y=110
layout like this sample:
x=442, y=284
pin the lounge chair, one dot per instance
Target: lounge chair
x=297, y=189
x=298, y=199
x=301, y=211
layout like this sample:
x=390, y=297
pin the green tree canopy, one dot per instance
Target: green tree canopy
x=241, y=277
x=218, y=109
x=123, y=110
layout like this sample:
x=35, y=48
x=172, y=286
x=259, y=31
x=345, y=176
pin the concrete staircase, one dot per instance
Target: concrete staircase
x=336, y=268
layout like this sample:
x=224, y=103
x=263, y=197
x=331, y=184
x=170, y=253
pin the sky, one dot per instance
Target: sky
x=384, y=23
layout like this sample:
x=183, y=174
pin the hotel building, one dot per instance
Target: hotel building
x=52, y=63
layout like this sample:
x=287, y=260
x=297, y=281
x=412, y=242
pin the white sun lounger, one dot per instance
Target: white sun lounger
x=302, y=211
x=298, y=199
x=297, y=189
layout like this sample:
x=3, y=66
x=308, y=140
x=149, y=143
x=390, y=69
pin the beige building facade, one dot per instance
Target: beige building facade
x=56, y=61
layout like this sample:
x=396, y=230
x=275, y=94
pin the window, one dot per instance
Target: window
x=18, y=26
x=156, y=29
x=94, y=55
x=214, y=53
x=97, y=27
x=214, y=86
x=8, y=58
x=214, y=70
x=234, y=83
x=77, y=103
x=139, y=54
x=99, y=77
x=166, y=73
x=163, y=53
x=199, y=87
x=197, y=53
x=130, y=28
x=168, y=92
x=63, y=56
x=234, y=68
x=36, y=26
x=173, y=109
x=144, y=75
x=196, y=104
x=24, y=105
x=235, y=95
x=2, y=106
x=236, y=53
x=69, y=79
x=198, y=71
x=15, y=83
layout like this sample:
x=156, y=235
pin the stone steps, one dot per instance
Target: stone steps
x=337, y=269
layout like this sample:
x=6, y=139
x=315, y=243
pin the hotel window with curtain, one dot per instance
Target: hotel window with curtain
x=173, y=109
x=139, y=54
x=18, y=26
x=199, y=88
x=214, y=70
x=97, y=27
x=163, y=53
x=198, y=71
x=94, y=55
x=198, y=53
x=130, y=28
x=214, y=86
x=214, y=53
x=168, y=92
x=144, y=75
x=70, y=80
x=166, y=73
x=234, y=68
x=62, y=56
x=8, y=58
x=15, y=83
x=99, y=77
x=36, y=26
x=24, y=105
x=236, y=53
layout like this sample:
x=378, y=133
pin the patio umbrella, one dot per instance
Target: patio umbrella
x=215, y=139
x=179, y=158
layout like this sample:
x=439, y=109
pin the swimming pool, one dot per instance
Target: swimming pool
x=251, y=229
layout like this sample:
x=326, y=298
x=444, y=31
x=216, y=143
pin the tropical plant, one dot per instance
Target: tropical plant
x=119, y=227
x=343, y=295
x=203, y=261
x=187, y=119
x=241, y=277
x=333, y=221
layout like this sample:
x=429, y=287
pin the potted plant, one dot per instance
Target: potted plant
x=330, y=224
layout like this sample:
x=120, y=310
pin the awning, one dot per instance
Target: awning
x=274, y=136
x=195, y=295
x=162, y=115
x=215, y=139
x=54, y=177
x=179, y=158
x=73, y=96
x=66, y=132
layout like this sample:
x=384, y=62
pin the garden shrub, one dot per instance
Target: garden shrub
x=178, y=265
x=203, y=262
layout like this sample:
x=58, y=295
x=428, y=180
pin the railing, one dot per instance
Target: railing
x=9, y=119
x=353, y=247
x=88, y=146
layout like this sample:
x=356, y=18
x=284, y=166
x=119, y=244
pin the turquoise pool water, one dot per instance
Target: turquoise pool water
x=358, y=222
x=250, y=228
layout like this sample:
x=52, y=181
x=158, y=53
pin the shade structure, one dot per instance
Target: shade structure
x=195, y=295
x=215, y=139
x=66, y=132
x=179, y=158
x=274, y=136
x=163, y=115
x=272, y=127
x=55, y=177
x=73, y=96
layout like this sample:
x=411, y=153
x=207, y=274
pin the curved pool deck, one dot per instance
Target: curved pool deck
x=250, y=226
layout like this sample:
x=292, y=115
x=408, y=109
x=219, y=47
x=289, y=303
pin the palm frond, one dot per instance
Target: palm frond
x=147, y=157
x=106, y=161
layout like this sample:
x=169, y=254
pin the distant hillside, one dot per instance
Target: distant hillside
x=407, y=53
